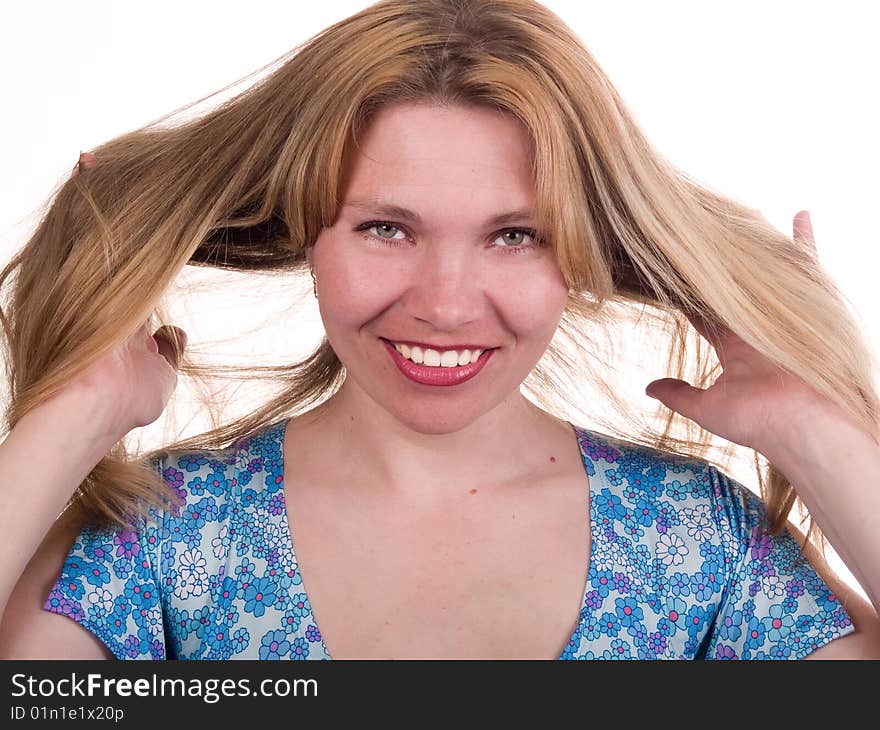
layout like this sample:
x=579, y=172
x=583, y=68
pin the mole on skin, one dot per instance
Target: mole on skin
x=553, y=459
x=473, y=491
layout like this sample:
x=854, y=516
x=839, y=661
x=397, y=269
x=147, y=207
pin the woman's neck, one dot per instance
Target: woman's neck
x=351, y=439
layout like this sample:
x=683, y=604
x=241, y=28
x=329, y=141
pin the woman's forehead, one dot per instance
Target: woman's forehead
x=457, y=141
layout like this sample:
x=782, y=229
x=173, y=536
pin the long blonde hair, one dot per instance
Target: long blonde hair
x=248, y=186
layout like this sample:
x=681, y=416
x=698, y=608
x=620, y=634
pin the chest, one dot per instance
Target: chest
x=491, y=574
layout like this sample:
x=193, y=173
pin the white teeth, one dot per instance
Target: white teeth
x=433, y=358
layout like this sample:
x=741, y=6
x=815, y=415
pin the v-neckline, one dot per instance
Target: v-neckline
x=594, y=483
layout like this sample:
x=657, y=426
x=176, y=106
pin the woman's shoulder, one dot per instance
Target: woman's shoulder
x=637, y=470
x=247, y=472
x=663, y=496
x=222, y=493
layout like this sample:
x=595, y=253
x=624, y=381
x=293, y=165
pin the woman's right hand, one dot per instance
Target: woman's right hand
x=130, y=385
x=134, y=381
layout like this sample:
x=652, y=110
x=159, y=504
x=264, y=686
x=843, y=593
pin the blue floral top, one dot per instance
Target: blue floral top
x=678, y=568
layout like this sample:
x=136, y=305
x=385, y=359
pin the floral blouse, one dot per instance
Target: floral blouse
x=678, y=569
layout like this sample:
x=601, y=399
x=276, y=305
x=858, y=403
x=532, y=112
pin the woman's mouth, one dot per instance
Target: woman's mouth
x=436, y=374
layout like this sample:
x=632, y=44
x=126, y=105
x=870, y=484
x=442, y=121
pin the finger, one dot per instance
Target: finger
x=86, y=160
x=678, y=395
x=803, y=231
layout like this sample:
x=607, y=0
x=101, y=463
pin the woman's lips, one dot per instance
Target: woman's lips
x=427, y=375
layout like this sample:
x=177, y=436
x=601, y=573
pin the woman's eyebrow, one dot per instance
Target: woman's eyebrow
x=401, y=213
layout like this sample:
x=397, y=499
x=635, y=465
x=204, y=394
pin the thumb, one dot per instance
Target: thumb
x=677, y=395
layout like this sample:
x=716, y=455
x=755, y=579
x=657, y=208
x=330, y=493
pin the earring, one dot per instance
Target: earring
x=314, y=283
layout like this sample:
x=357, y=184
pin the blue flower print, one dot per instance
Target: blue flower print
x=677, y=491
x=192, y=462
x=73, y=589
x=591, y=629
x=117, y=620
x=601, y=580
x=201, y=619
x=97, y=574
x=780, y=651
x=702, y=586
x=755, y=633
x=646, y=512
x=675, y=611
x=194, y=516
x=207, y=509
x=696, y=617
x=628, y=611
x=778, y=624
x=259, y=596
x=245, y=571
x=73, y=566
x=665, y=626
x=610, y=505
x=100, y=550
x=299, y=648
x=632, y=528
x=218, y=484
x=730, y=627
x=240, y=639
x=142, y=596
x=274, y=645
x=680, y=584
x=610, y=624
x=620, y=649
x=300, y=605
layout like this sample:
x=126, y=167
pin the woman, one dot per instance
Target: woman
x=464, y=184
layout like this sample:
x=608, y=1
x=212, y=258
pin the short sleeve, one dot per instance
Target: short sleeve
x=774, y=605
x=109, y=584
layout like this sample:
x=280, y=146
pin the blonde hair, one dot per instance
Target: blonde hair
x=249, y=185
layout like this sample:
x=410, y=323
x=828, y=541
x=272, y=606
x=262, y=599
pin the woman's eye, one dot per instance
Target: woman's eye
x=520, y=243
x=383, y=228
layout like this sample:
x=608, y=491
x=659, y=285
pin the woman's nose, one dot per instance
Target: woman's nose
x=447, y=290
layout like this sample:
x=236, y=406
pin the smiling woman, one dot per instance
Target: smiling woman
x=479, y=212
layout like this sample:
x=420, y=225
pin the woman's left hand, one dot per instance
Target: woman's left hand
x=753, y=398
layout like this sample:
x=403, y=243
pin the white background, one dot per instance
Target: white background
x=775, y=104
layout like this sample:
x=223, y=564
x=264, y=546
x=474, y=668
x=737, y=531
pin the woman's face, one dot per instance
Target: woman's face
x=451, y=277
